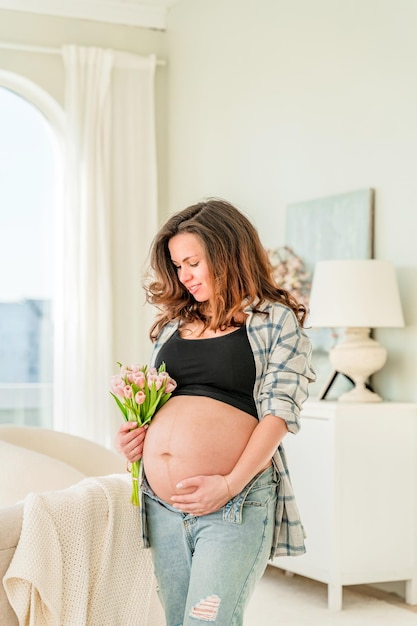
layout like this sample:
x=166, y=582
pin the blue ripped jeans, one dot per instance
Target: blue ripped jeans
x=207, y=566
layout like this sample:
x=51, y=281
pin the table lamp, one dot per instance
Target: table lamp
x=356, y=295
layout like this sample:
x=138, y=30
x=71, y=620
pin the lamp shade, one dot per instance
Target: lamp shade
x=355, y=293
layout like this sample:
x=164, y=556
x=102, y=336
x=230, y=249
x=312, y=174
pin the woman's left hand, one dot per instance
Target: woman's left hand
x=209, y=494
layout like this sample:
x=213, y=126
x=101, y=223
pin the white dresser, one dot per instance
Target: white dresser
x=354, y=472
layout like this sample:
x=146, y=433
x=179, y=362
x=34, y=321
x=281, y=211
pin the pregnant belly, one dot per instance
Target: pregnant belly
x=193, y=436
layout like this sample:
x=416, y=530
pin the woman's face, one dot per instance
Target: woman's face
x=189, y=258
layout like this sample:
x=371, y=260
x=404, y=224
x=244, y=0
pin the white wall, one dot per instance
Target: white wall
x=273, y=102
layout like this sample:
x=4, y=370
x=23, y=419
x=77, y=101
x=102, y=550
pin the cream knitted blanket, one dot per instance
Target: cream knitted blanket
x=80, y=560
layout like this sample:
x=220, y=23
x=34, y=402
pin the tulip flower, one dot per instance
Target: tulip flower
x=139, y=392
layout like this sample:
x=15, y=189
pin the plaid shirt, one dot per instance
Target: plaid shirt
x=282, y=353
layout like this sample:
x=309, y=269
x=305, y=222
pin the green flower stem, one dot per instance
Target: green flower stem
x=135, y=479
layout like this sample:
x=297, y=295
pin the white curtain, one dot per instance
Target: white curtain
x=108, y=221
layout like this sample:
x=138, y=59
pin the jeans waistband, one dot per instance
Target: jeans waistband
x=232, y=510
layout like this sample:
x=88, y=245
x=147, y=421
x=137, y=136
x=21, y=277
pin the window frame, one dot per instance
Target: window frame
x=55, y=116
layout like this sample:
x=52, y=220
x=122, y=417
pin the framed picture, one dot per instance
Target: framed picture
x=333, y=227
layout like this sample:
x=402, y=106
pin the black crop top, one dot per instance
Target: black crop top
x=222, y=368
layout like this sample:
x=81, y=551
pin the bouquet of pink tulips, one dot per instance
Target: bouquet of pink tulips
x=139, y=392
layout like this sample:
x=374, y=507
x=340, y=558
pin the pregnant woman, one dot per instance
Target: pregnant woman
x=217, y=502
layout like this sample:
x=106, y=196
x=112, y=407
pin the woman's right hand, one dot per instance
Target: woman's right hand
x=129, y=440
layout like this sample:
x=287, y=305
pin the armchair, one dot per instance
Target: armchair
x=63, y=498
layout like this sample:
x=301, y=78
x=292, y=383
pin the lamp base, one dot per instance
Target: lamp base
x=360, y=394
x=358, y=356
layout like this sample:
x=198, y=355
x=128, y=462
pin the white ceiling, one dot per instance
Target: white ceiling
x=146, y=13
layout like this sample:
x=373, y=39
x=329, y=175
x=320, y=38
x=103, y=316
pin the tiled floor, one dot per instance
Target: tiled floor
x=281, y=600
x=391, y=598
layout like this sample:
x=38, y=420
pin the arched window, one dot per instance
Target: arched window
x=28, y=175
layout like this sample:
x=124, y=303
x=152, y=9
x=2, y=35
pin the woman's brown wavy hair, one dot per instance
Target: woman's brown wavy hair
x=236, y=258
